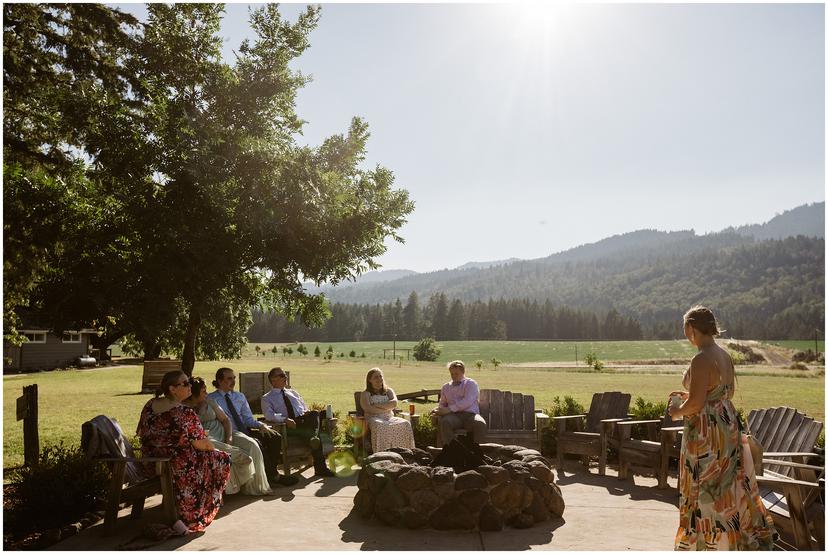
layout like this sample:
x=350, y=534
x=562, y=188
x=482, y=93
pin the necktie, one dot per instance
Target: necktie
x=234, y=414
x=288, y=406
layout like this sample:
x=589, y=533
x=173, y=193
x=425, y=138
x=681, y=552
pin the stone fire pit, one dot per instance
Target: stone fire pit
x=517, y=489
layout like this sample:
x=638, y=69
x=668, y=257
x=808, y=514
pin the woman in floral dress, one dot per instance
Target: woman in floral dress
x=199, y=471
x=719, y=504
x=378, y=402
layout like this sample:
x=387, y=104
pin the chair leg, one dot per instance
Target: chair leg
x=168, y=505
x=114, y=498
x=602, y=457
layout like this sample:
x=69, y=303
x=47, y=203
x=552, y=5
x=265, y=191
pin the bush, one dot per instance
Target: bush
x=808, y=356
x=426, y=350
x=352, y=353
x=316, y=352
x=798, y=365
x=567, y=406
x=58, y=491
x=748, y=356
x=592, y=360
x=425, y=432
x=643, y=409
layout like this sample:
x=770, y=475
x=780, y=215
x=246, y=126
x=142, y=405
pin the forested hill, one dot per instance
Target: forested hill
x=808, y=220
x=764, y=288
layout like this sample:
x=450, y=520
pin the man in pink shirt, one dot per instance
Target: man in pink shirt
x=459, y=408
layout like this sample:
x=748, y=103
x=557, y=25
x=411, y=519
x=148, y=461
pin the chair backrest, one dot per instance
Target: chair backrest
x=154, y=371
x=606, y=405
x=359, y=410
x=783, y=430
x=102, y=437
x=255, y=384
x=506, y=410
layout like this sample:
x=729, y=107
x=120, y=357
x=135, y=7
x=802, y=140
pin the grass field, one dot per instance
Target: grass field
x=68, y=398
x=799, y=344
x=505, y=351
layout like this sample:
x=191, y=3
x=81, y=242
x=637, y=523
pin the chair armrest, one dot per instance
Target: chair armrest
x=120, y=459
x=565, y=417
x=775, y=482
x=790, y=455
x=616, y=420
x=541, y=416
x=636, y=421
x=792, y=464
x=673, y=429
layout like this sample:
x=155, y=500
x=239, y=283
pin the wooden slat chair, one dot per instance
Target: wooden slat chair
x=790, y=487
x=598, y=433
x=154, y=371
x=649, y=456
x=511, y=418
x=129, y=484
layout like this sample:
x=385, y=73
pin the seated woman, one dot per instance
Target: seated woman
x=378, y=402
x=247, y=471
x=199, y=471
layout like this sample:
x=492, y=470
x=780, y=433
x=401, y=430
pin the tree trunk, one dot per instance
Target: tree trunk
x=102, y=343
x=152, y=350
x=188, y=357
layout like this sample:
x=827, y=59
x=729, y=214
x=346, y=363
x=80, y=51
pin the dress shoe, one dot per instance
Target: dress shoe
x=283, y=481
x=323, y=472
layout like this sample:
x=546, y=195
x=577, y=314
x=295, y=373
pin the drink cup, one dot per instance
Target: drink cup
x=279, y=418
x=411, y=409
x=675, y=402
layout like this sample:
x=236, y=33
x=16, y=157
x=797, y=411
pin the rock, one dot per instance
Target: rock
x=518, y=471
x=539, y=470
x=48, y=538
x=388, y=504
x=377, y=483
x=363, y=479
x=442, y=475
x=69, y=530
x=489, y=519
x=555, y=503
x=424, y=501
x=474, y=499
x=412, y=519
x=420, y=456
x=452, y=515
x=541, y=459
x=537, y=509
x=525, y=452
x=494, y=474
x=510, y=450
x=378, y=466
x=379, y=456
x=470, y=480
x=364, y=503
x=490, y=448
x=414, y=479
x=522, y=521
x=511, y=498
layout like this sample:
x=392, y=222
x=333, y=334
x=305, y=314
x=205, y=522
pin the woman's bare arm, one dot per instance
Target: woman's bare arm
x=699, y=382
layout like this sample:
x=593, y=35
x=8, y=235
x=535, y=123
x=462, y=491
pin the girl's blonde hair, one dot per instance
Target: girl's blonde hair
x=371, y=373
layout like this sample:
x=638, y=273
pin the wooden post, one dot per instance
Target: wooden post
x=27, y=411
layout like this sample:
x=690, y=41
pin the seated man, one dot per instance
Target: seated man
x=459, y=408
x=241, y=418
x=303, y=424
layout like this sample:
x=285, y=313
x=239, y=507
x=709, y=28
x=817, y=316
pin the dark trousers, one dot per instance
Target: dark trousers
x=307, y=427
x=271, y=446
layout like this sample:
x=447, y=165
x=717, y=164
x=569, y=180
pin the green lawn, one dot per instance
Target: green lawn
x=505, y=351
x=68, y=398
x=799, y=344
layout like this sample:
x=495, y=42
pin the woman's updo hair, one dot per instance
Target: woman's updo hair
x=703, y=321
x=169, y=379
x=197, y=385
x=220, y=375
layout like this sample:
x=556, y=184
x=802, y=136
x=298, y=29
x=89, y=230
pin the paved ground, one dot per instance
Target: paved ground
x=602, y=513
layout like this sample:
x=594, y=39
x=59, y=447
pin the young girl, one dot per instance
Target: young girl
x=378, y=402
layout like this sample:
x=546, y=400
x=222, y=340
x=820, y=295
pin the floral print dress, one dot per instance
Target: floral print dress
x=199, y=476
x=719, y=505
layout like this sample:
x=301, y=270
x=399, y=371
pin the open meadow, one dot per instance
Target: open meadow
x=68, y=398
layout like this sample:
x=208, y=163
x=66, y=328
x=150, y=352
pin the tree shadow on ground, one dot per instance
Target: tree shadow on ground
x=618, y=487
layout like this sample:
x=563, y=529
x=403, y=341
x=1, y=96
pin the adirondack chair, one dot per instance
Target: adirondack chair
x=649, y=456
x=510, y=417
x=790, y=487
x=102, y=439
x=598, y=434
x=362, y=444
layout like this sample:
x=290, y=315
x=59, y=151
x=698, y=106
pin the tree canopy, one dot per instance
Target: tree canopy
x=202, y=203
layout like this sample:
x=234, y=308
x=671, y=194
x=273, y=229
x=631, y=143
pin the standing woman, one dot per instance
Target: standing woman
x=247, y=470
x=378, y=402
x=167, y=428
x=719, y=504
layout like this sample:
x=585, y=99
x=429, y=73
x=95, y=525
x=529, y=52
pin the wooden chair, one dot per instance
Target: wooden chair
x=154, y=371
x=649, y=456
x=255, y=384
x=104, y=441
x=362, y=444
x=791, y=489
x=598, y=433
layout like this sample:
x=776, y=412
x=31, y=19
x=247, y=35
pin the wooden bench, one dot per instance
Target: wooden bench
x=154, y=371
x=790, y=486
x=421, y=395
x=129, y=485
x=650, y=456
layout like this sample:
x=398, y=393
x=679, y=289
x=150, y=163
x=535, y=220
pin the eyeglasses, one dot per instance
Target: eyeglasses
x=184, y=384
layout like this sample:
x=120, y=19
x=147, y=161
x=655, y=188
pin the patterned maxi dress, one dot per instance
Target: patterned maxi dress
x=387, y=430
x=199, y=476
x=719, y=505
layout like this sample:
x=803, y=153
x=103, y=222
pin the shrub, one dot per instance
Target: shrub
x=426, y=350
x=748, y=355
x=567, y=406
x=808, y=356
x=644, y=409
x=495, y=362
x=425, y=432
x=362, y=355
x=316, y=352
x=479, y=364
x=352, y=354
x=58, y=491
x=798, y=365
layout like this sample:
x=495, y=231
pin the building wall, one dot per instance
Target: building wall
x=53, y=353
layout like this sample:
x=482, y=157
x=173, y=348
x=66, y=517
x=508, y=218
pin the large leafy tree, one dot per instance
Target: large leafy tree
x=215, y=208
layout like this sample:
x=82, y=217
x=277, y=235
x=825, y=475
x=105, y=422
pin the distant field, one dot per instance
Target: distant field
x=799, y=344
x=68, y=398
x=505, y=351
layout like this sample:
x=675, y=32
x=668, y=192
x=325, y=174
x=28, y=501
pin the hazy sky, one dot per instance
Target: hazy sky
x=522, y=130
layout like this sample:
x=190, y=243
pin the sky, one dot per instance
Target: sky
x=521, y=130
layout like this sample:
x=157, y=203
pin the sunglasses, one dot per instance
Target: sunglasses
x=184, y=384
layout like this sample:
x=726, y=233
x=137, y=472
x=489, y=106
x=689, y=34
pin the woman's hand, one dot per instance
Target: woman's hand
x=203, y=444
x=681, y=393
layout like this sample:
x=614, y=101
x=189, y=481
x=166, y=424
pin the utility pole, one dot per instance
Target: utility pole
x=816, y=342
x=576, y=353
x=395, y=346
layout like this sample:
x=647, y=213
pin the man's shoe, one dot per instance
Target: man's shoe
x=323, y=472
x=283, y=481
x=315, y=443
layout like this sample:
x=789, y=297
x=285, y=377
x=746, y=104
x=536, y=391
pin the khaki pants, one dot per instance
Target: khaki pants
x=471, y=422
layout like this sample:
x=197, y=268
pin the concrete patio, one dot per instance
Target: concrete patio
x=602, y=513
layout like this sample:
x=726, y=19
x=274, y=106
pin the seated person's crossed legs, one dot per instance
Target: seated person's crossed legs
x=471, y=422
